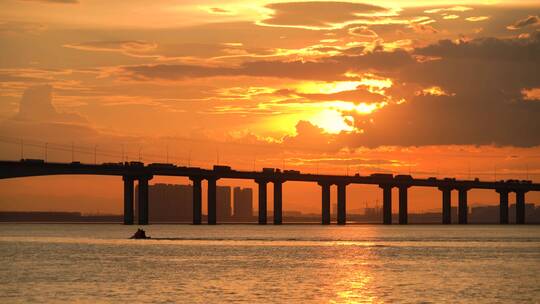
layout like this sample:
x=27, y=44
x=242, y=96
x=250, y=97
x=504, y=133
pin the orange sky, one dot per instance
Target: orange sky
x=434, y=88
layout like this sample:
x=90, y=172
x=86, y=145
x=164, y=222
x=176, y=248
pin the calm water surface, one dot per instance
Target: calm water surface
x=249, y=263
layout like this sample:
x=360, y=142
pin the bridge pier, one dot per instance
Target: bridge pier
x=520, y=207
x=325, y=202
x=446, y=205
x=142, y=207
x=197, y=200
x=262, y=201
x=211, y=200
x=278, y=202
x=387, y=204
x=403, y=218
x=463, y=209
x=503, y=206
x=341, y=204
x=128, y=200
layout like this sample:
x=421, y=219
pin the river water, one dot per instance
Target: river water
x=96, y=263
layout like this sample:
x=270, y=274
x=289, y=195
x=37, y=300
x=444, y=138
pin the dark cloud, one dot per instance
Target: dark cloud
x=491, y=49
x=474, y=119
x=531, y=20
x=486, y=76
x=490, y=64
x=317, y=13
x=330, y=68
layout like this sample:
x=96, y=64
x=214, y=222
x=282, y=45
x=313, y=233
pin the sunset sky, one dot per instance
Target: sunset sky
x=430, y=88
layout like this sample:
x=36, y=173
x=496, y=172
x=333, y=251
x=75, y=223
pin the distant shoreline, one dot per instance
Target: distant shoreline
x=256, y=224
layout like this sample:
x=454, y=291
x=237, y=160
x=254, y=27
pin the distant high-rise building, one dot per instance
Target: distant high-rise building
x=223, y=203
x=243, y=203
x=529, y=212
x=485, y=214
x=169, y=203
x=454, y=214
x=174, y=203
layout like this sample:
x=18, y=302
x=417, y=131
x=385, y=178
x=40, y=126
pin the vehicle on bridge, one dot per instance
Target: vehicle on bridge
x=32, y=160
x=291, y=172
x=134, y=164
x=112, y=164
x=268, y=170
x=218, y=168
x=161, y=165
x=382, y=175
x=403, y=177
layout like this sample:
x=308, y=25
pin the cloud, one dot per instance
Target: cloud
x=218, y=10
x=449, y=9
x=423, y=28
x=318, y=14
x=526, y=22
x=21, y=27
x=362, y=31
x=38, y=118
x=477, y=18
x=36, y=105
x=477, y=93
x=531, y=94
x=133, y=48
x=113, y=46
x=450, y=17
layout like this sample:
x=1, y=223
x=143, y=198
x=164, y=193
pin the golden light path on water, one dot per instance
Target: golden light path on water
x=356, y=288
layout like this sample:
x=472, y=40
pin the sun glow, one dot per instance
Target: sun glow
x=318, y=87
x=373, y=84
x=332, y=121
x=435, y=91
x=334, y=118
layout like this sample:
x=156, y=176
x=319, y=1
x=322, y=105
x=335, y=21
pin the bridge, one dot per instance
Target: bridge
x=137, y=171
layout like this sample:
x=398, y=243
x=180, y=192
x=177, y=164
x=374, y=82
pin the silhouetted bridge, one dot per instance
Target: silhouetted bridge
x=131, y=171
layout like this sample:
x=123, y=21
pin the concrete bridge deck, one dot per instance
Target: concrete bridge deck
x=136, y=171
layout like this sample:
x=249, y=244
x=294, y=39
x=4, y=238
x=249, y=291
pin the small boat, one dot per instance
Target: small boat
x=139, y=234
